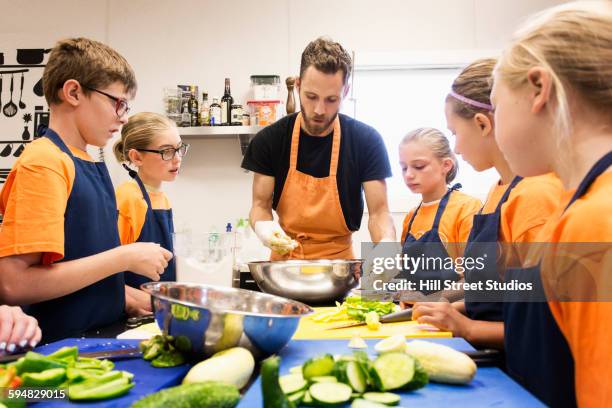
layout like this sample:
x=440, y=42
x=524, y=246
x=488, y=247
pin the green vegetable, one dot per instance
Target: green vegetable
x=291, y=383
x=358, y=308
x=297, y=397
x=152, y=352
x=330, y=393
x=99, y=390
x=208, y=394
x=273, y=396
x=324, y=378
x=48, y=378
x=66, y=354
x=35, y=363
x=351, y=373
x=391, y=371
x=318, y=366
x=442, y=363
x=362, y=403
x=171, y=358
x=420, y=378
x=232, y=366
x=385, y=398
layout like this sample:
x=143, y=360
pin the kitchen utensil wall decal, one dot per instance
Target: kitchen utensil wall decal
x=30, y=56
x=10, y=109
x=21, y=104
x=27, y=118
x=25, y=67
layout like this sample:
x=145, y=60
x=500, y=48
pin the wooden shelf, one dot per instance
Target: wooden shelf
x=218, y=131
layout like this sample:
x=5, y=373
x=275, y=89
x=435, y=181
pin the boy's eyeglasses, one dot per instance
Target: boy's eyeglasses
x=169, y=152
x=121, y=105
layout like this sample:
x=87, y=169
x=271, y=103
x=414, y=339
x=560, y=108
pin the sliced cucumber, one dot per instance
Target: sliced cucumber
x=330, y=393
x=391, y=371
x=291, y=383
x=324, y=378
x=361, y=403
x=385, y=398
x=296, y=398
x=296, y=370
x=356, y=377
x=307, y=398
x=356, y=395
x=318, y=366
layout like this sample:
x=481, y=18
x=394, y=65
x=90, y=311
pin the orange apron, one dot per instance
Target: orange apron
x=309, y=209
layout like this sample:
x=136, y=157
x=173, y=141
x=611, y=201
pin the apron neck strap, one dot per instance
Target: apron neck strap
x=504, y=198
x=295, y=143
x=439, y=212
x=143, y=189
x=598, y=168
x=54, y=137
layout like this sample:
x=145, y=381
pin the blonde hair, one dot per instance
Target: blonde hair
x=437, y=143
x=573, y=42
x=139, y=132
x=474, y=82
x=92, y=63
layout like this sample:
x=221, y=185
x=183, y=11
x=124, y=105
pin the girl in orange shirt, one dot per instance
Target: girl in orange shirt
x=514, y=212
x=552, y=99
x=443, y=219
x=151, y=143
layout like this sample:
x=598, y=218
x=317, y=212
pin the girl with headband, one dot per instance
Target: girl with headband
x=514, y=211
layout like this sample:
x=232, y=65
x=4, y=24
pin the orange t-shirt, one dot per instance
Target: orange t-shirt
x=529, y=205
x=455, y=224
x=133, y=209
x=34, y=198
x=586, y=325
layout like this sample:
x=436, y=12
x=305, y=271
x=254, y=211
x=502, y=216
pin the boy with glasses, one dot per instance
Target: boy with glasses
x=60, y=252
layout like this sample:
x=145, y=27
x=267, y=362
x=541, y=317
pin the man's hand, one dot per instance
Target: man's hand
x=272, y=235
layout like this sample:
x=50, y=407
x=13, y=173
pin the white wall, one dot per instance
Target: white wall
x=202, y=42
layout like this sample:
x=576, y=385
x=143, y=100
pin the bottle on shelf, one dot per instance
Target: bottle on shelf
x=215, y=113
x=204, y=111
x=226, y=104
x=194, y=111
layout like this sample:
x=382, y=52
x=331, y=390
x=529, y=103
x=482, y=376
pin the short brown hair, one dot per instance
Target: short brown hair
x=327, y=56
x=474, y=82
x=92, y=63
x=139, y=132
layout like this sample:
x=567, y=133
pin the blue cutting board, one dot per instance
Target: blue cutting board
x=490, y=388
x=147, y=379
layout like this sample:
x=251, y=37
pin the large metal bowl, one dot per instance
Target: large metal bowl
x=215, y=318
x=313, y=281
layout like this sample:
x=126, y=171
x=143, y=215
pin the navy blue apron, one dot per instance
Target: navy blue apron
x=429, y=246
x=483, y=243
x=90, y=227
x=539, y=357
x=158, y=227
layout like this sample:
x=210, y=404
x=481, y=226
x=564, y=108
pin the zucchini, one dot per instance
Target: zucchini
x=296, y=398
x=324, y=378
x=291, y=383
x=307, y=400
x=330, y=393
x=273, y=396
x=385, y=398
x=208, y=394
x=232, y=366
x=362, y=403
x=391, y=371
x=442, y=364
x=296, y=370
x=318, y=366
x=351, y=373
x=420, y=378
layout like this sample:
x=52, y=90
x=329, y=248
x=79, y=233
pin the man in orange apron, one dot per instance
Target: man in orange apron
x=312, y=167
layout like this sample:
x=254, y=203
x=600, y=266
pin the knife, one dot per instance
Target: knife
x=401, y=316
x=120, y=354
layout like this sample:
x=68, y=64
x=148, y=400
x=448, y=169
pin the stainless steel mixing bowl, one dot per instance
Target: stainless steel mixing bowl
x=313, y=281
x=216, y=318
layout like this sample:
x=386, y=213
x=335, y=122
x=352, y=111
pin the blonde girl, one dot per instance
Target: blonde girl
x=150, y=143
x=553, y=101
x=443, y=219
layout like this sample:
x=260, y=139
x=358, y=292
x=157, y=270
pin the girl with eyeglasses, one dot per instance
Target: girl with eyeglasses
x=150, y=143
